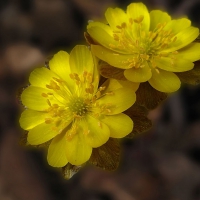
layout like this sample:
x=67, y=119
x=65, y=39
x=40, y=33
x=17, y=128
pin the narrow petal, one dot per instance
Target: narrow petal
x=138, y=74
x=33, y=99
x=81, y=60
x=115, y=17
x=120, y=125
x=157, y=17
x=30, y=118
x=164, y=81
x=41, y=134
x=174, y=65
x=117, y=101
x=57, y=156
x=178, y=25
x=190, y=52
x=96, y=133
x=184, y=38
x=136, y=10
x=78, y=151
x=40, y=77
x=113, y=58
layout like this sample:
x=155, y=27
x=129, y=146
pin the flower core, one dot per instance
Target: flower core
x=78, y=106
x=145, y=45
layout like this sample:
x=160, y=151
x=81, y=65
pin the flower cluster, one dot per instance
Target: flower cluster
x=65, y=104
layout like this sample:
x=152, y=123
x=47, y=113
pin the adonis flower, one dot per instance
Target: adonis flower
x=149, y=46
x=65, y=106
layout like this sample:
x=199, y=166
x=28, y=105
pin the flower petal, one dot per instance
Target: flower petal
x=164, y=81
x=118, y=101
x=136, y=10
x=59, y=64
x=113, y=84
x=184, y=38
x=177, y=25
x=113, y=58
x=81, y=60
x=157, y=17
x=174, y=65
x=138, y=74
x=96, y=132
x=56, y=156
x=102, y=37
x=41, y=134
x=78, y=151
x=115, y=17
x=101, y=25
x=33, y=99
x=190, y=52
x=120, y=125
x=30, y=118
x=40, y=77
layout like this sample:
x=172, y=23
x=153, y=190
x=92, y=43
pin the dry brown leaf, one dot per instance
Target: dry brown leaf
x=108, y=71
x=107, y=156
x=148, y=97
x=139, y=116
x=191, y=77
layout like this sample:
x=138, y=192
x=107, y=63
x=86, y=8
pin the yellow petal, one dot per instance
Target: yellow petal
x=41, y=134
x=190, y=52
x=40, y=77
x=78, y=151
x=113, y=84
x=120, y=125
x=101, y=25
x=81, y=60
x=115, y=17
x=119, y=100
x=138, y=74
x=96, y=133
x=30, y=118
x=157, y=17
x=136, y=10
x=102, y=37
x=184, y=38
x=113, y=58
x=177, y=25
x=33, y=99
x=59, y=64
x=174, y=65
x=164, y=81
x=57, y=156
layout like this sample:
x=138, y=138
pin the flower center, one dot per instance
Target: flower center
x=78, y=106
x=144, y=45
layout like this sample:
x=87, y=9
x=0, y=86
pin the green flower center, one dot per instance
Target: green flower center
x=78, y=106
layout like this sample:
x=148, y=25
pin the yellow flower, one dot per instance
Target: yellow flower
x=149, y=46
x=64, y=105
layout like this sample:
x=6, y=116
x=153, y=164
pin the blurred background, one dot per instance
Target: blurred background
x=161, y=164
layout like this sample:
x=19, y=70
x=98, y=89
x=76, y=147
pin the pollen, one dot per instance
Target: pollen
x=78, y=106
